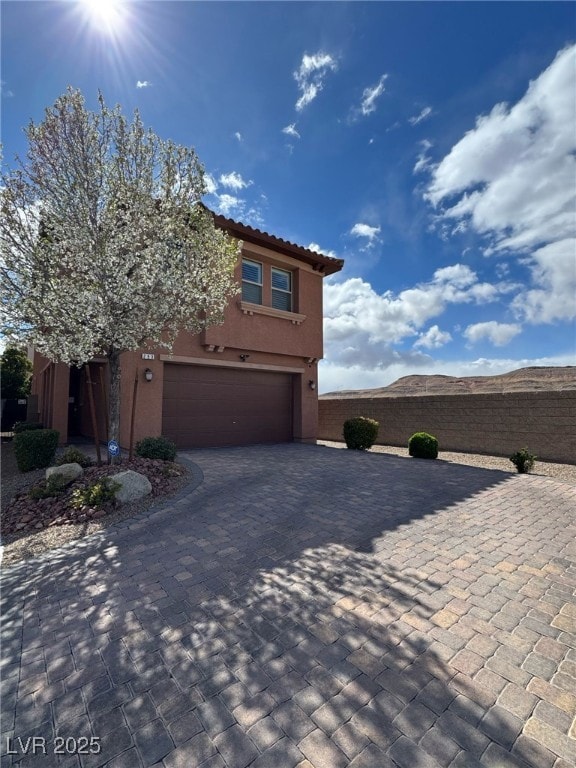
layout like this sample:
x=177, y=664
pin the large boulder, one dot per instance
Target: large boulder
x=68, y=472
x=133, y=486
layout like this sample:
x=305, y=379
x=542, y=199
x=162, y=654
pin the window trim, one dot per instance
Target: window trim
x=260, y=309
x=282, y=291
x=252, y=282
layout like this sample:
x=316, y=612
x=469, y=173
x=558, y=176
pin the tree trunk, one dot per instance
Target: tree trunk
x=114, y=401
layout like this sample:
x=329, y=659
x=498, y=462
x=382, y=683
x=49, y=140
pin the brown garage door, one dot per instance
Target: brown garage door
x=205, y=406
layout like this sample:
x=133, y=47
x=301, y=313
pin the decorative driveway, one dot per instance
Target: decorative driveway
x=304, y=606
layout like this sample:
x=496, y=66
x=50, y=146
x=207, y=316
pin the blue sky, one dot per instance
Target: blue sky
x=431, y=145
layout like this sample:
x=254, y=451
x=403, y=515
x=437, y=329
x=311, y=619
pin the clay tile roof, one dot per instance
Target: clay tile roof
x=327, y=265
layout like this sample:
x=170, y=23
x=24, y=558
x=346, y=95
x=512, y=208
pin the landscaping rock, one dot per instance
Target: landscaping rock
x=133, y=486
x=69, y=472
x=21, y=513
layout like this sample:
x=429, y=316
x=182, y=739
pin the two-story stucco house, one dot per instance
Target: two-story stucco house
x=250, y=380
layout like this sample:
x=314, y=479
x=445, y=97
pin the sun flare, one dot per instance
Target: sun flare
x=105, y=15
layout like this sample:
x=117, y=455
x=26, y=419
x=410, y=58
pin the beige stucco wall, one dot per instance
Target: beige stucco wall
x=497, y=424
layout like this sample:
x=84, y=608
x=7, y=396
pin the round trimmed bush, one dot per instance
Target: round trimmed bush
x=523, y=461
x=423, y=446
x=35, y=449
x=360, y=433
x=156, y=448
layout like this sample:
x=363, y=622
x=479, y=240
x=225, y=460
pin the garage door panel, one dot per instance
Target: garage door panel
x=205, y=406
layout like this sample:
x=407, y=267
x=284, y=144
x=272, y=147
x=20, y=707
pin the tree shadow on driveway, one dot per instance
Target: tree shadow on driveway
x=305, y=603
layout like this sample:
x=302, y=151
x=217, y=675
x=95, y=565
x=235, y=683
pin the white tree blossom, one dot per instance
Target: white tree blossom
x=105, y=244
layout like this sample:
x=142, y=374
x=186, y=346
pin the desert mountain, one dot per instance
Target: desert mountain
x=533, y=379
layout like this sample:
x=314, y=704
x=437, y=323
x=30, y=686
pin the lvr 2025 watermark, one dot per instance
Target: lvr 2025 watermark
x=39, y=745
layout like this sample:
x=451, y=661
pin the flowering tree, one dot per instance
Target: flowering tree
x=105, y=244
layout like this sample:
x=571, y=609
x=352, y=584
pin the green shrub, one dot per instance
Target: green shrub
x=96, y=494
x=423, y=446
x=26, y=426
x=15, y=373
x=35, y=449
x=523, y=461
x=156, y=448
x=360, y=433
x=53, y=486
x=73, y=456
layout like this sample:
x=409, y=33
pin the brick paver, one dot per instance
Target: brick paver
x=304, y=606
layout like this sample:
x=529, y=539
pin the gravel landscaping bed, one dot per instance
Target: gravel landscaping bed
x=563, y=472
x=50, y=523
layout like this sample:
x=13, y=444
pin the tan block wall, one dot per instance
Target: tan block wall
x=496, y=424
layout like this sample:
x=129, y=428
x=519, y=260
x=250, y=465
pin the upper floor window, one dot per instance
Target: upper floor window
x=251, y=281
x=281, y=289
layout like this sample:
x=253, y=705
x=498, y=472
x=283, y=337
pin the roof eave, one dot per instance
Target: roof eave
x=326, y=265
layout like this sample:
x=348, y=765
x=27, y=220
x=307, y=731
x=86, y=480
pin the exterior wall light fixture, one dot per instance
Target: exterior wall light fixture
x=148, y=375
x=312, y=384
x=244, y=358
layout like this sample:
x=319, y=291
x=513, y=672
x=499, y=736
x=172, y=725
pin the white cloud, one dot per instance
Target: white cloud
x=6, y=92
x=334, y=376
x=365, y=230
x=511, y=178
x=554, y=274
x=423, y=161
x=317, y=249
x=228, y=205
x=234, y=181
x=356, y=315
x=433, y=338
x=370, y=95
x=362, y=353
x=361, y=326
x=290, y=130
x=310, y=76
x=497, y=333
x=143, y=84
x=426, y=112
x=238, y=136
x=240, y=209
x=253, y=217
x=211, y=184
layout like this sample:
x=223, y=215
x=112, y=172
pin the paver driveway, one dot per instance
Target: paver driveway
x=305, y=606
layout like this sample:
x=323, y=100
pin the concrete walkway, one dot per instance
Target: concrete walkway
x=304, y=606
